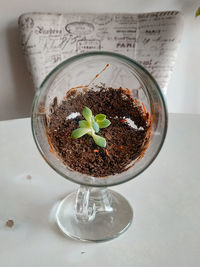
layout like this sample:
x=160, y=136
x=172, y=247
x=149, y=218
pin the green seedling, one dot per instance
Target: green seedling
x=91, y=125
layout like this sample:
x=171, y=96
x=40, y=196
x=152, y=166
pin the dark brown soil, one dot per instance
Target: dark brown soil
x=10, y=223
x=124, y=143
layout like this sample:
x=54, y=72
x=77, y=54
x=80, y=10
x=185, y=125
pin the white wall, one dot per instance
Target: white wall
x=16, y=90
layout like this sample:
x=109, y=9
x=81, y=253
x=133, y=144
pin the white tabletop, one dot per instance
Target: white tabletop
x=165, y=199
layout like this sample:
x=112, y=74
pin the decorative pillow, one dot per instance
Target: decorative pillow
x=151, y=39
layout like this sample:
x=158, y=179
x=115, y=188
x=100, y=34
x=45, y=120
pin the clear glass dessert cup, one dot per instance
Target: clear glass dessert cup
x=94, y=212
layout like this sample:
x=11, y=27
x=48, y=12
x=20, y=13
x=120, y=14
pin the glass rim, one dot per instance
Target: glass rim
x=73, y=59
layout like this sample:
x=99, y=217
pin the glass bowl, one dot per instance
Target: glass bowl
x=93, y=212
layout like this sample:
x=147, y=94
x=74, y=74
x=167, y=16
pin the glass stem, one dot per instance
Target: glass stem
x=90, y=201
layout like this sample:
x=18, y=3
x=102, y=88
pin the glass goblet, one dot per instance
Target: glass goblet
x=94, y=212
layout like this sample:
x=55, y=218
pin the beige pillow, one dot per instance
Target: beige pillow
x=151, y=39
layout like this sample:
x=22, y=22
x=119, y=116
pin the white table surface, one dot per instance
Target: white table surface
x=165, y=199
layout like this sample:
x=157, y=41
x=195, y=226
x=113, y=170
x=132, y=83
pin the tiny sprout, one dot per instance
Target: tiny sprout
x=91, y=125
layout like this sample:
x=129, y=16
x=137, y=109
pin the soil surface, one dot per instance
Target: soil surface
x=127, y=136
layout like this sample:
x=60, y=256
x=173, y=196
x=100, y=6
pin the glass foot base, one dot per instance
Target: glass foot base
x=104, y=226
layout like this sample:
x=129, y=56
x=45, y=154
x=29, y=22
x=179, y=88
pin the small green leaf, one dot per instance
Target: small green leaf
x=87, y=113
x=197, y=12
x=99, y=140
x=84, y=124
x=95, y=126
x=92, y=125
x=104, y=124
x=100, y=117
x=80, y=132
